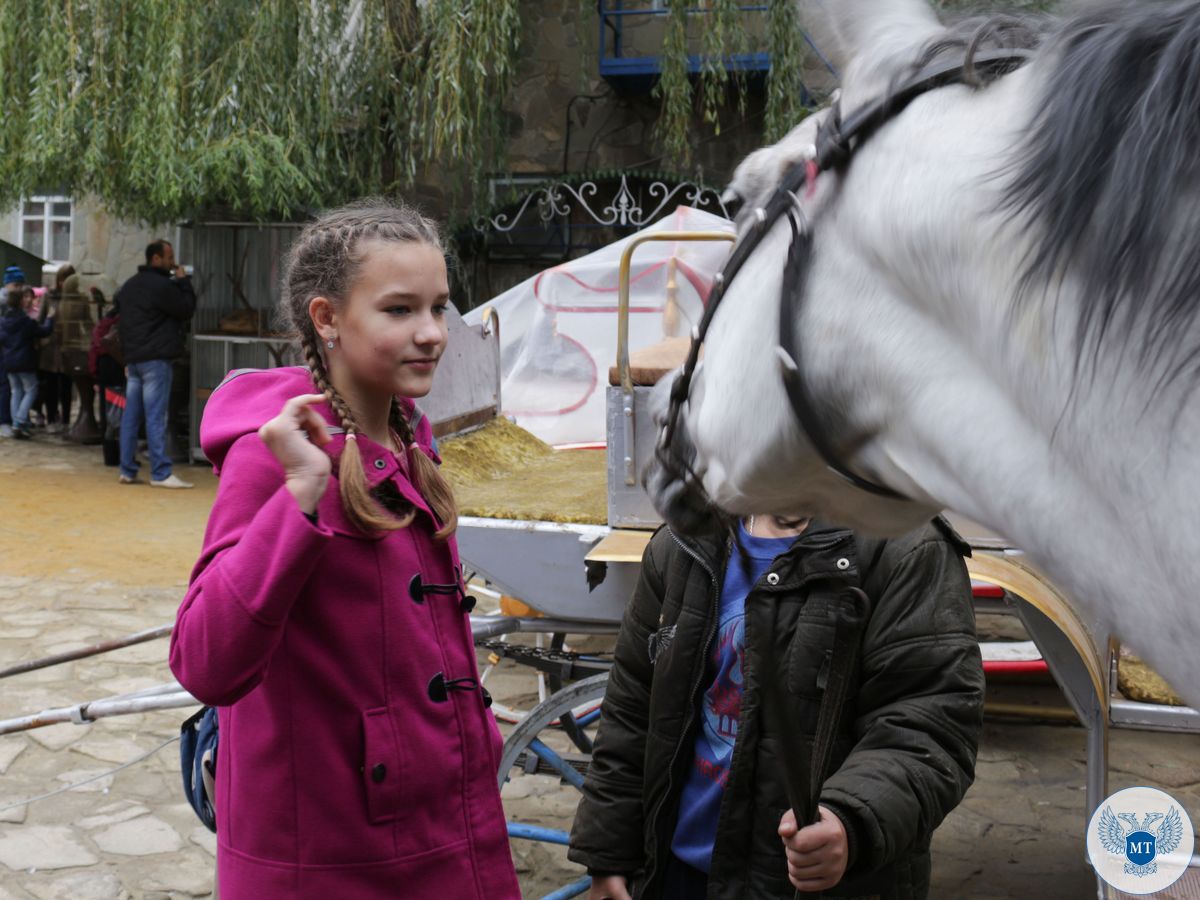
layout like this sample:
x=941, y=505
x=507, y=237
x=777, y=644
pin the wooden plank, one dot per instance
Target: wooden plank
x=623, y=545
x=463, y=422
x=649, y=364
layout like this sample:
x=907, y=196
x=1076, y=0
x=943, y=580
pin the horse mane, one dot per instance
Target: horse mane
x=1107, y=172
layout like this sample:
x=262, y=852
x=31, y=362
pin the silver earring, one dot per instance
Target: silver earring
x=329, y=344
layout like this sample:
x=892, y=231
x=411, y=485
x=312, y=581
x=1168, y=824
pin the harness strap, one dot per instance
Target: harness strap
x=804, y=407
x=804, y=782
x=836, y=141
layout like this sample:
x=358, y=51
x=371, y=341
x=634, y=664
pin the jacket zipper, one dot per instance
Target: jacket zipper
x=716, y=595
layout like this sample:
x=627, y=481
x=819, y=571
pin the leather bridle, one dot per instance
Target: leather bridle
x=836, y=142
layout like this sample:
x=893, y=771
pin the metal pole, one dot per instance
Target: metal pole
x=627, y=424
x=94, y=650
x=84, y=713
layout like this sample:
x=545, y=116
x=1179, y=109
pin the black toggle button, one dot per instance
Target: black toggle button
x=440, y=686
x=468, y=603
x=378, y=772
x=487, y=697
x=417, y=589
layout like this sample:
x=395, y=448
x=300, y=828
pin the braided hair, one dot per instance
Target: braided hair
x=323, y=262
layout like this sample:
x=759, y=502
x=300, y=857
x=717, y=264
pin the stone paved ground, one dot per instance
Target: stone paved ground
x=73, y=572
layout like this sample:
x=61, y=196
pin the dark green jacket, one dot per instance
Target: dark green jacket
x=906, y=743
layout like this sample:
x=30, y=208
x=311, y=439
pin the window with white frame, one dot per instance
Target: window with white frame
x=45, y=224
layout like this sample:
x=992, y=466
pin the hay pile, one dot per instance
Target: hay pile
x=1138, y=681
x=501, y=471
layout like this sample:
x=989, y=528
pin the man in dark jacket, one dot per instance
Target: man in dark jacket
x=737, y=664
x=156, y=304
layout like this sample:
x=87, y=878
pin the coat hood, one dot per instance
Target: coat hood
x=249, y=398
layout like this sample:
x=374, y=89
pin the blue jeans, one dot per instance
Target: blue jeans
x=24, y=391
x=146, y=394
x=5, y=399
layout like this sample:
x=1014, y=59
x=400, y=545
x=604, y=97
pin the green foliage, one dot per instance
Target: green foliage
x=785, y=90
x=716, y=31
x=724, y=38
x=263, y=109
x=674, y=89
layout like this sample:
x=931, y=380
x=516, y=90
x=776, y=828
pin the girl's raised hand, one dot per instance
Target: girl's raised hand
x=295, y=437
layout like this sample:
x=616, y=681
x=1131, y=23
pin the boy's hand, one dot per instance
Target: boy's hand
x=816, y=854
x=610, y=887
x=296, y=437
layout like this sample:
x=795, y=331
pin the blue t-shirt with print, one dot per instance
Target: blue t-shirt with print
x=700, y=803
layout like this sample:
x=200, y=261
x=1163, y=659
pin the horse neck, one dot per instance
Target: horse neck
x=978, y=403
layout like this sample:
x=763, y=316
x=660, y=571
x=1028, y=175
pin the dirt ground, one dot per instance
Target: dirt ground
x=84, y=559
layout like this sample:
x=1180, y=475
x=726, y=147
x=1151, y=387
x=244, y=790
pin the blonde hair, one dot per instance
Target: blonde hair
x=323, y=262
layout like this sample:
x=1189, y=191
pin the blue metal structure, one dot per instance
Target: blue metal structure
x=631, y=70
x=637, y=72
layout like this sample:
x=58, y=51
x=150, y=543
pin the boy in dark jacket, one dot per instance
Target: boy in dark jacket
x=18, y=357
x=737, y=662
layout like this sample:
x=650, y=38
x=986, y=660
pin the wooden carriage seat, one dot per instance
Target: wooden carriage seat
x=648, y=365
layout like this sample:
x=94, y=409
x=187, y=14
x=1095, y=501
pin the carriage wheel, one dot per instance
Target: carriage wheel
x=578, y=736
x=524, y=751
x=523, y=746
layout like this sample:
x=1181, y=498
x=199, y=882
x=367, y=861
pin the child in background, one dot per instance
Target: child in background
x=13, y=278
x=18, y=357
x=326, y=617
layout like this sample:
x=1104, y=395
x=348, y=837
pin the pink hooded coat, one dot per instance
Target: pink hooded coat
x=338, y=774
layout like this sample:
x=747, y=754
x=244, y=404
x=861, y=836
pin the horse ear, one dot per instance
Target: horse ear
x=873, y=37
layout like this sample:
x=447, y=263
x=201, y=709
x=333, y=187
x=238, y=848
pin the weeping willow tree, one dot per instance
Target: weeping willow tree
x=717, y=33
x=164, y=109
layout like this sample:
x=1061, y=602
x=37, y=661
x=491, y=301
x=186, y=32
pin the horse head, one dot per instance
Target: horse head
x=996, y=311
x=724, y=450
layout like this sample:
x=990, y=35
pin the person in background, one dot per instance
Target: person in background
x=13, y=277
x=106, y=365
x=54, y=385
x=156, y=305
x=18, y=357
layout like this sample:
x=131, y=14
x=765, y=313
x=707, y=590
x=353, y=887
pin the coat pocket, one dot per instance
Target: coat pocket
x=381, y=769
x=809, y=656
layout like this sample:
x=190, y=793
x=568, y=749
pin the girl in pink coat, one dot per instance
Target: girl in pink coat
x=326, y=617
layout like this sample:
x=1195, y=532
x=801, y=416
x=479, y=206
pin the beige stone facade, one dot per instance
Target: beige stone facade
x=105, y=250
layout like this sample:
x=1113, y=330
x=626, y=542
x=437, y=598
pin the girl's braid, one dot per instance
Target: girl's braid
x=320, y=377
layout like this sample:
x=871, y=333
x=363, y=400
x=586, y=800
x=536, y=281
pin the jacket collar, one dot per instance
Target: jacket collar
x=379, y=463
x=820, y=548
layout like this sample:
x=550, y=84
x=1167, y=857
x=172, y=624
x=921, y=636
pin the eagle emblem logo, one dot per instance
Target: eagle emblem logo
x=1140, y=842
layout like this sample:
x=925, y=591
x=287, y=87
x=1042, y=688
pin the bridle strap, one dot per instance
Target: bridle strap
x=837, y=139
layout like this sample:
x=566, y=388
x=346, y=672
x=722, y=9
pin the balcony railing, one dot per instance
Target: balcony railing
x=632, y=34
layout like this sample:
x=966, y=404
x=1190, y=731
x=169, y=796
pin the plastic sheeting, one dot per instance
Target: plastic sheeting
x=558, y=330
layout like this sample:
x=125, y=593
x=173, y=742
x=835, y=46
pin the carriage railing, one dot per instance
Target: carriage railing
x=629, y=458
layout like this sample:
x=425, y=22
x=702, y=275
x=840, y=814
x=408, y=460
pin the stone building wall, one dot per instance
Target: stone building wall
x=104, y=249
